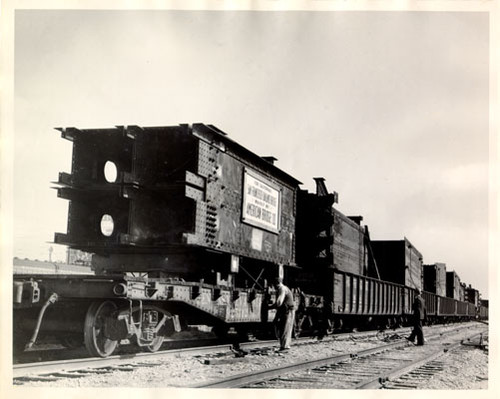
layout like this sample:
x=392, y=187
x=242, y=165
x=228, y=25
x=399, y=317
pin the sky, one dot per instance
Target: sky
x=391, y=108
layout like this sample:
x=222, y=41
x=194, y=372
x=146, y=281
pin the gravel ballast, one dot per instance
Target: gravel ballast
x=466, y=368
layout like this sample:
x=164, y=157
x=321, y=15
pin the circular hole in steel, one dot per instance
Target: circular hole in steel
x=107, y=225
x=110, y=172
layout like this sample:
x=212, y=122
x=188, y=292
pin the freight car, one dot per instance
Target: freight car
x=187, y=226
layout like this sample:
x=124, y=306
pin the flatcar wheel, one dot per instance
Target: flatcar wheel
x=156, y=344
x=96, y=342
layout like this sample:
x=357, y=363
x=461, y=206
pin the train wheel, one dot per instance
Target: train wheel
x=149, y=338
x=156, y=344
x=96, y=342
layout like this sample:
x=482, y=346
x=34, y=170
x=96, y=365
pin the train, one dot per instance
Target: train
x=188, y=227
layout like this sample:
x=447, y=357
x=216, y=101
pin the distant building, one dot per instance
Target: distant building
x=28, y=266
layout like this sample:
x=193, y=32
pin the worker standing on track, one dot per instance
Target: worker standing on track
x=285, y=314
x=419, y=314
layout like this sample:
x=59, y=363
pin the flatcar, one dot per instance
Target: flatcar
x=186, y=226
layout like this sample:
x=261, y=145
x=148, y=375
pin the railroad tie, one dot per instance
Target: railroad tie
x=35, y=378
x=68, y=374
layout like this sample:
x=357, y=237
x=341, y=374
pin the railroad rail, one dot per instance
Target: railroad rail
x=424, y=361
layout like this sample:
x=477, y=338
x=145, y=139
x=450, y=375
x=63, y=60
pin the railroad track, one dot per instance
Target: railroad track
x=58, y=353
x=413, y=378
x=82, y=367
x=366, y=369
x=128, y=361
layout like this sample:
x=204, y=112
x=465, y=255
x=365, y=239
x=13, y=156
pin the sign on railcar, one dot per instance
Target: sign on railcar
x=261, y=202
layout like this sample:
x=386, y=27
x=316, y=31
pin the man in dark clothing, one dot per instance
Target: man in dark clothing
x=419, y=314
x=285, y=314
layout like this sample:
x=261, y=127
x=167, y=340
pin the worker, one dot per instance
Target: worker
x=419, y=314
x=285, y=314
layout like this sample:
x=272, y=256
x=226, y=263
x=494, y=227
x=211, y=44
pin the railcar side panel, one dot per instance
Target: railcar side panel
x=430, y=303
x=408, y=297
x=471, y=309
x=376, y=298
x=461, y=308
x=483, y=312
x=447, y=306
